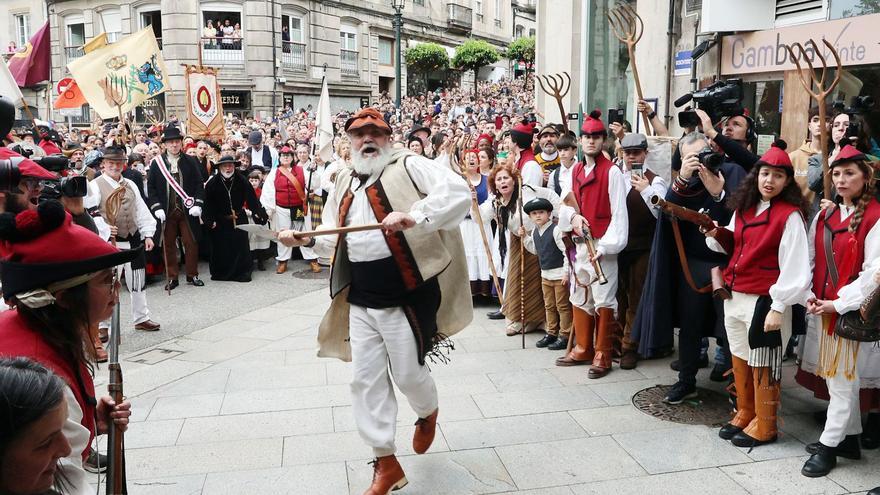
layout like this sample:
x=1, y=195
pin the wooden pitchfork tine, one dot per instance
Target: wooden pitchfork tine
x=822, y=91
x=628, y=27
x=559, y=89
x=116, y=90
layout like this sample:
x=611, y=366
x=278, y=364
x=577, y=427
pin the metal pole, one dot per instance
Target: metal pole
x=398, y=21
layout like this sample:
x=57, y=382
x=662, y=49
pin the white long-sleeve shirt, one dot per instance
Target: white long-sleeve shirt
x=532, y=174
x=146, y=223
x=563, y=178
x=446, y=202
x=658, y=187
x=617, y=234
x=794, y=261
x=329, y=176
x=487, y=209
x=76, y=477
x=851, y=296
x=314, y=179
x=529, y=244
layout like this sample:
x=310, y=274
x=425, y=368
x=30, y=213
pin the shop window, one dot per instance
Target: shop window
x=852, y=8
x=763, y=99
x=609, y=79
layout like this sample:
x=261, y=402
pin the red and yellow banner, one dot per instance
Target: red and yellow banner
x=203, y=104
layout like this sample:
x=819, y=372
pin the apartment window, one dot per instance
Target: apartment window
x=222, y=36
x=348, y=49
x=478, y=7
x=532, y=32
x=76, y=37
x=293, y=42
x=22, y=28
x=111, y=21
x=498, y=13
x=420, y=3
x=519, y=31
x=386, y=51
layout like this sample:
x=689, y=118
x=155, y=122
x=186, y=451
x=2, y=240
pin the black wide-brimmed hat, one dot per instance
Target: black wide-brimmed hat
x=227, y=159
x=171, y=133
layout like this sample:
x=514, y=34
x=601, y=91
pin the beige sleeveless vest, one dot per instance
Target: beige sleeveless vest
x=125, y=218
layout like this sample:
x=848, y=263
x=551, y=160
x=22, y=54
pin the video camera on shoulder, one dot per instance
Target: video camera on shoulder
x=75, y=186
x=720, y=99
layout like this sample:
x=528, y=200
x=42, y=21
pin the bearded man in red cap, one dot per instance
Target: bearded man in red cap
x=522, y=136
x=387, y=313
x=599, y=192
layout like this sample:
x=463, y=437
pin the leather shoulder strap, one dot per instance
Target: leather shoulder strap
x=682, y=258
x=829, y=249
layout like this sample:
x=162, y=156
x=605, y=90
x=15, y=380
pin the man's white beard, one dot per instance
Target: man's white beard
x=370, y=166
x=227, y=174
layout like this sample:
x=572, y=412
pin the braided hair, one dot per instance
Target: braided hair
x=866, y=197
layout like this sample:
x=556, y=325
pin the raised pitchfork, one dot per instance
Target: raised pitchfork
x=115, y=91
x=559, y=85
x=628, y=27
x=822, y=91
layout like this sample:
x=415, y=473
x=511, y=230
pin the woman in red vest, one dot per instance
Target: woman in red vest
x=57, y=278
x=767, y=273
x=845, y=245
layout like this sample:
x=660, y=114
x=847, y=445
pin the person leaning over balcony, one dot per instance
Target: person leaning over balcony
x=209, y=33
x=236, y=36
x=227, y=30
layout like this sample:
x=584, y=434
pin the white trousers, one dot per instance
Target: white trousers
x=383, y=339
x=844, y=416
x=597, y=296
x=738, y=313
x=282, y=221
x=134, y=279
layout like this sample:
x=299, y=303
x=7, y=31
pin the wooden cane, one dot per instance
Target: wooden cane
x=522, y=269
x=628, y=27
x=822, y=91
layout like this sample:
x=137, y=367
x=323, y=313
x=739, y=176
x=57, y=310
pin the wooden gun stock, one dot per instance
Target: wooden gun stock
x=695, y=217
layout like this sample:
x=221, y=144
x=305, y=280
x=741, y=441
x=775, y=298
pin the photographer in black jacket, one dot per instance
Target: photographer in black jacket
x=736, y=140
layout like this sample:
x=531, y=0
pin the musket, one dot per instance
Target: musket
x=698, y=218
x=589, y=241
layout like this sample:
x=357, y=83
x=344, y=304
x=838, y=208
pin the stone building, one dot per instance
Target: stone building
x=284, y=48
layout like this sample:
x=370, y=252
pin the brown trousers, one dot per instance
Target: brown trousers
x=632, y=270
x=557, y=307
x=176, y=225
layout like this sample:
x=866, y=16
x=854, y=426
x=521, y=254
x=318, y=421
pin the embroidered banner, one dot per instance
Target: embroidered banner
x=204, y=105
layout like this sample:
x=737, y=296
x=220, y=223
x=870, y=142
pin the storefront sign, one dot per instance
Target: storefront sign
x=152, y=109
x=683, y=63
x=854, y=38
x=236, y=100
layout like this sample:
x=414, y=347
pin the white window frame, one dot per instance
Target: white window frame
x=22, y=28
x=112, y=35
x=302, y=23
x=348, y=32
x=379, y=57
x=232, y=8
x=70, y=21
x=478, y=7
x=497, y=11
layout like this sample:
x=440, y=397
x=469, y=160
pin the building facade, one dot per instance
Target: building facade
x=278, y=51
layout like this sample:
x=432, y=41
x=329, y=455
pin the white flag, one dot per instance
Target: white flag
x=9, y=88
x=324, y=131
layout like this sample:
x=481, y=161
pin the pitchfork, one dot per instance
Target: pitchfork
x=115, y=91
x=822, y=91
x=628, y=28
x=559, y=84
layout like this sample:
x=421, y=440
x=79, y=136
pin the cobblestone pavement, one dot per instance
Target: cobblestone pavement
x=243, y=406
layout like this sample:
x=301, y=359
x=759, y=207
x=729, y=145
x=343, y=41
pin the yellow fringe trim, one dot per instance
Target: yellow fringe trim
x=831, y=349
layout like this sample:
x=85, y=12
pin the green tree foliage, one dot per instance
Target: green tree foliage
x=474, y=54
x=423, y=59
x=522, y=49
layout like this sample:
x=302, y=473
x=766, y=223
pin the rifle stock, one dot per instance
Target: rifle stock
x=590, y=242
x=699, y=219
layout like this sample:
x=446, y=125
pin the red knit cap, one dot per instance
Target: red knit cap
x=593, y=124
x=485, y=136
x=39, y=247
x=27, y=167
x=524, y=128
x=847, y=154
x=286, y=150
x=777, y=157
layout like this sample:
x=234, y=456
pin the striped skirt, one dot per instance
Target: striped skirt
x=316, y=207
x=534, y=297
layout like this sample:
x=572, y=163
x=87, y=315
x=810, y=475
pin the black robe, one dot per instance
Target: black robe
x=230, y=254
x=658, y=313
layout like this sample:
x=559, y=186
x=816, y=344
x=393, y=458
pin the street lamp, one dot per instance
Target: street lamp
x=397, y=5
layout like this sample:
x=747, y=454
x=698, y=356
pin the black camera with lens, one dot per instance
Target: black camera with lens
x=859, y=105
x=720, y=99
x=10, y=175
x=76, y=186
x=711, y=160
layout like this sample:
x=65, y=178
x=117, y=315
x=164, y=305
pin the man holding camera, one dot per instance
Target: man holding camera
x=175, y=186
x=736, y=139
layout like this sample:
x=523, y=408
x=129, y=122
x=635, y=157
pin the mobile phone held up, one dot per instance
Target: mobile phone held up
x=615, y=115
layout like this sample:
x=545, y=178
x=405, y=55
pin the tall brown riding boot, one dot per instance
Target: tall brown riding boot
x=387, y=476
x=604, y=344
x=583, y=327
x=762, y=429
x=745, y=399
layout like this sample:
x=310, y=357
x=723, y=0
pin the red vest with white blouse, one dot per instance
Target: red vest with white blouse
x=754, y=263
x=823, y=288
x=591, y=192
x=286, y=195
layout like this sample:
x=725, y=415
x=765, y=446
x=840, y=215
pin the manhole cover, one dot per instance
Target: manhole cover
x=308, y=274
x=709, y=408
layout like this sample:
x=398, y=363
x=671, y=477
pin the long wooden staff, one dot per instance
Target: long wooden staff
x=475, y=211
x=559, y=85
x=628, y=27
x=522, y=269
x=819, y=95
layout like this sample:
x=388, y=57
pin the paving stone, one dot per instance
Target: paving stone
x=475, y=363
x=286, y=399
x=151, y=434
x=679, y=449
x=537, y=401
x=453, y=408
x=316, y=479
x=215, y=352
x=256, y=359
x=784, y=446
x=577, y=375
x=141, y=407
x=802, y=426
x=800, y=400
x=343, y=418
x=338, y=372
x=147, y=378
x=271, y=313
x=225, y=329
x=302, y=356
x=448, y=386
x=203, y=458
x=780, y=477
x=516, y=381
x=617, y=419
x=292, y=343
x=657, y=368
x=858, y=476
x=469, y=472
x=556, y=490
x=696, y=482
x=302, y=375
x=256, y=425
x=278, y=330
x=620, y=393
x=346, y=446
x=186, y=406
x=179, y=485
x=532, y=358
x=492, y=340
x=579, y=461
x=207, y=381
x=482, y=433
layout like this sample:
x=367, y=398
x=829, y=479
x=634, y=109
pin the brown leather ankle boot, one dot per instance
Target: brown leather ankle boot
x=425, y=430
x=582, y=351
x=604, y=344
x=387, y=476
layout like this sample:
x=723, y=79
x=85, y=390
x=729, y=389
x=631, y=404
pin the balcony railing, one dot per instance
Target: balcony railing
x=73, y=52
x=223, y=51
x=459, y=18
x=293, y=56
x=349, y=63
